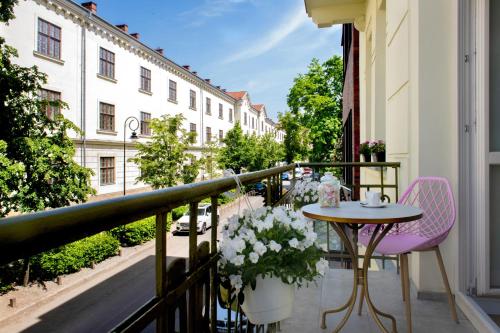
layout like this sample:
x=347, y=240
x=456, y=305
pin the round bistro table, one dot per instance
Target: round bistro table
x=354, y=216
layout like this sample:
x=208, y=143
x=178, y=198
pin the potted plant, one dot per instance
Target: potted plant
x=378, y=151
x=365, y=151
x=264, y=255
x=305, y=192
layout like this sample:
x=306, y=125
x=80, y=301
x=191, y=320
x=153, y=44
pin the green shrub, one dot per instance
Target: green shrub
x=74, y=256
x=135, y=233
x=179, y=211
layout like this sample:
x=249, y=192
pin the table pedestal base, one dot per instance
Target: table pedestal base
x=360, y=279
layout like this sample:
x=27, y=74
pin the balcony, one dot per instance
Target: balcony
x=183, y=293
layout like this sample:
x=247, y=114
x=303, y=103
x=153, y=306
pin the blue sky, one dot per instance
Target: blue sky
x=253, y=45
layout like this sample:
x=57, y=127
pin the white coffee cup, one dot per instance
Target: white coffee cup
x=373, y=198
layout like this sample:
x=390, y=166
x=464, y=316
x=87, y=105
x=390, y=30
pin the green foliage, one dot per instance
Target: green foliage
x=315, y=99
x=364, y=148
x=209, y=157
x=74, y=256
x=179, y=211
x=190, y=169
x=34, y=144
x=249, y=151
x=296, y=141
x=161, y=160
x=135, y=233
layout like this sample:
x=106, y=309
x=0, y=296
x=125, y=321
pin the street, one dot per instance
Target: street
x=97, y=305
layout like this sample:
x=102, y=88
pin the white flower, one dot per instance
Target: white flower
x=236, y=281
x=254, y=257
x=259, y=248
x=322, y=266
x=294, y=243
x=274, y=246
x=238, y=260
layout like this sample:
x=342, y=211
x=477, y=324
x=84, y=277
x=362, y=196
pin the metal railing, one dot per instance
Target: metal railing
x=186, y=292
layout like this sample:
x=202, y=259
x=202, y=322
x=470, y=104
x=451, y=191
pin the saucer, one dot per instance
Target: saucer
x=366, y=205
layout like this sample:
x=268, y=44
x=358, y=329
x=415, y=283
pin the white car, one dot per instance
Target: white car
x=204, y=219
x=298, y=173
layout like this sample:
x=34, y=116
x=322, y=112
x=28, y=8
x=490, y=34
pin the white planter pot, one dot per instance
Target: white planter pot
x=270, y=302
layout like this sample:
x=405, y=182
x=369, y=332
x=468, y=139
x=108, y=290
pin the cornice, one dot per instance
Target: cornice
x=83, y=17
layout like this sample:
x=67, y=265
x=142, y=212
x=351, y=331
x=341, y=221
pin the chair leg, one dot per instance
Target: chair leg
x=402, y=276
x=406, y=288
x=361, y=300
x=451, y=299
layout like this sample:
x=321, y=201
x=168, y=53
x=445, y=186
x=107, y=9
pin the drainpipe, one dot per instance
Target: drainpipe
x=202, y=141
x=83, y=83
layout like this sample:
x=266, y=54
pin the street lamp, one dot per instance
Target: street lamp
x=129, y=121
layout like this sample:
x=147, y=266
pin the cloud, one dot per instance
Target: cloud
x=293, y=21
x=210, y=9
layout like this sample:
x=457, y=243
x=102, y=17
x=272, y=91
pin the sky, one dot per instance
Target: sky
x=253, y=45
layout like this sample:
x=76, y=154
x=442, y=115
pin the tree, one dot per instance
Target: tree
x=32, y=143
x=209, y=157
x=190, y=170
x=163, y=158
x=316, y=99
x=267, y=152
x=296, y=141
x=232, y=154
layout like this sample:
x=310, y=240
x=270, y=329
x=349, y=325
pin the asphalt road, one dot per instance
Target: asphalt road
x=97, y=306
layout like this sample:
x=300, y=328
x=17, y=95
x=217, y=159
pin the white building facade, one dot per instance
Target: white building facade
x=106, y=76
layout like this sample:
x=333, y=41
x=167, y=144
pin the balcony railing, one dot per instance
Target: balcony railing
x=188, y=287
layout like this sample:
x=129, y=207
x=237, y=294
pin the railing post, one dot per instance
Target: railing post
x=268, y=192
x=193, y=247
x=161, y=266
x=213, y=270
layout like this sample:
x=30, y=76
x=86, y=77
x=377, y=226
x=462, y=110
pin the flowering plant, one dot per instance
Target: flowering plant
x=305, y=192
x=271, y=242
x=364, y=148
x=377, y=146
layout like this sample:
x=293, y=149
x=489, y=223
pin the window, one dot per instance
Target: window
x=209, y=106
x=221, y=135
x=145, y=79
x=245, y=120
x=253, y=123
x=192, y=99
x=145, y=120
x=172, y=91
x=261, y=125
x=107, y=63
x=49, y=39
x=230, y=115
x=106, y=117
x=221, y=111
x=192, y=128
x=107, y=170
x=48, y=95
x=209, y=134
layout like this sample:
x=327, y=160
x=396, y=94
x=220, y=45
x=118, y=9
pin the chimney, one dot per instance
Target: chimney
x=159, y=50
x=218, y=87
x=135, y=35
x=224, y=90
x=92, y=6
x=123, y=27
x=207, y=80
x=186, y=67
x=195, y=73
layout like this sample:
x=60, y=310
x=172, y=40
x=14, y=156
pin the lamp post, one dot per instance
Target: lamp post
x=129, y=121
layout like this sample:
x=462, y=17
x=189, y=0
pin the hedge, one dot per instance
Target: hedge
x=72, y=257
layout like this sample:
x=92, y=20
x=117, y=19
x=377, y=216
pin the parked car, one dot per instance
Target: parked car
x=204, y=219
x=307, y=172
x=285, y=176
x=259, y=188
x=298, y=173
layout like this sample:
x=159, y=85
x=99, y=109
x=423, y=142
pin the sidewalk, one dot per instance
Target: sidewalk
x=84, y=296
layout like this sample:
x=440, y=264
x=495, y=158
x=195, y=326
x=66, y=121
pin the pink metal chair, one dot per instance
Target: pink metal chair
x=434, y=196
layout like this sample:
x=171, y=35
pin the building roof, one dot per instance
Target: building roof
x=258, y=107
x=237, y=94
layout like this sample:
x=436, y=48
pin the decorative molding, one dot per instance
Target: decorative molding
x=360, y=23
x=114, y=133
x=145, y=92
x=109, y=79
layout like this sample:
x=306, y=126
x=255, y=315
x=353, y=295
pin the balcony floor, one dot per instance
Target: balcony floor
x=385, y=290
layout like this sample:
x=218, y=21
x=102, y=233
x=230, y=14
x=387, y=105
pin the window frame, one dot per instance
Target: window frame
x=106, y=168
x=230, y=115
x=192, y=99
x=221, y=111
x=208, y=134
x=208, y=106
x=50, y=39
x=51, y=111
x=145, y=77
x=221, y=135
x=103, y=115
x=172, y=90
x=109, y=64
x=145, y=127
